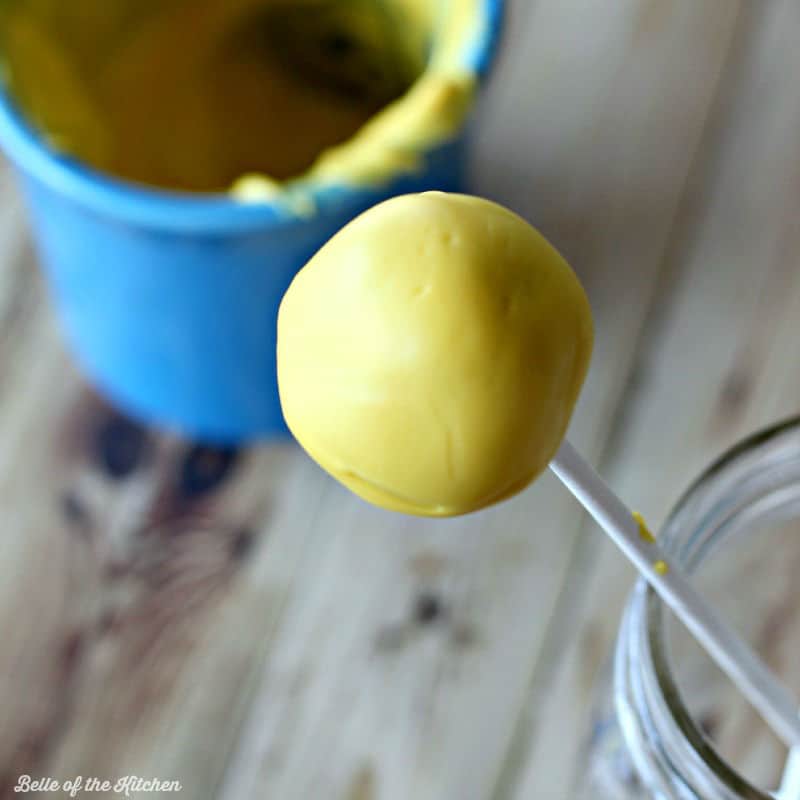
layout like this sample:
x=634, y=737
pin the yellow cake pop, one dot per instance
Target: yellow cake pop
x=431, y=353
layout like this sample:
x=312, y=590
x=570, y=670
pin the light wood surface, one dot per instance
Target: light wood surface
x=240, y=623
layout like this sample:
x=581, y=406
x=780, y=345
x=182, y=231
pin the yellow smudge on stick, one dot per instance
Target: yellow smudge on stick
x=661, y=567
x=644, y=531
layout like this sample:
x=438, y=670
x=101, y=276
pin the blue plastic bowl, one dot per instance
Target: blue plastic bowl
x=169, y=301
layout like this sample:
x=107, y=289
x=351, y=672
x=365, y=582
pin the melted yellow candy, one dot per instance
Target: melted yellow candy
x=644, y=532
x=430, y=355
x=207, y=95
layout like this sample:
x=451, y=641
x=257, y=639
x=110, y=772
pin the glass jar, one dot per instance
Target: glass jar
x=667, y=723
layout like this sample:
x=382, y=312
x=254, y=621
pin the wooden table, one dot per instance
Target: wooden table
x=239, y=622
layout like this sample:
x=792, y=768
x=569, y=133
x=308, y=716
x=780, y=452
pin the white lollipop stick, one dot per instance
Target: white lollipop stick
x=732, y=654
x=790, y=781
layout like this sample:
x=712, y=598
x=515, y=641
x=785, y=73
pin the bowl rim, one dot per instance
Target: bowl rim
x=176, y=211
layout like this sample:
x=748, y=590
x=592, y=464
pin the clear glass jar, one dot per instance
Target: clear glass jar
x=667, y=723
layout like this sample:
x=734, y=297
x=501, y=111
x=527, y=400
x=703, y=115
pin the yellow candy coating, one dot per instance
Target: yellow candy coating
x=431, y=353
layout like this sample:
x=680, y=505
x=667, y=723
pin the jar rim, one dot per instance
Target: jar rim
x=654, y=616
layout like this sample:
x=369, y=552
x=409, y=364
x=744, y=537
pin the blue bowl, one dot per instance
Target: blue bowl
x=169, y=301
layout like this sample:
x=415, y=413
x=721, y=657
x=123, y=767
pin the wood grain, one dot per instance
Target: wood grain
x=716, y=363
x=238, y=622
